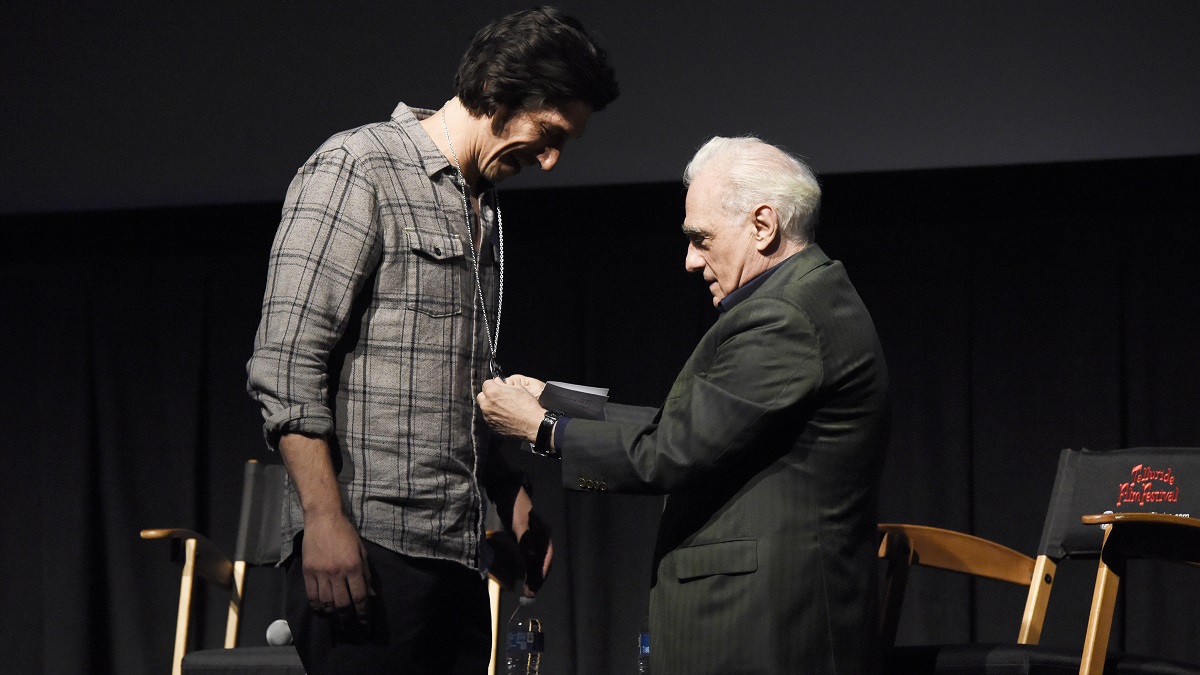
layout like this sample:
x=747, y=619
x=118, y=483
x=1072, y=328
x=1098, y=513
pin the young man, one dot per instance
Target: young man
x=380, y=322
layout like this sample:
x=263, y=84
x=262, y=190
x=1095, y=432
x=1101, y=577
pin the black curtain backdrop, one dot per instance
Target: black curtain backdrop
x=1022, y=310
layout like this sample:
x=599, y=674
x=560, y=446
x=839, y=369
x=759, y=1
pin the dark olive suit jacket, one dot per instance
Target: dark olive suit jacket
x=769, y=447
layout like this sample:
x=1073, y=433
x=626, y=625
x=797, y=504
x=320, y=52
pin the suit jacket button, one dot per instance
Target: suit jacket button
x=582, y=483
x=603, y=485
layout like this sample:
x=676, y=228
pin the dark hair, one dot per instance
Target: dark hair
x=532, y=59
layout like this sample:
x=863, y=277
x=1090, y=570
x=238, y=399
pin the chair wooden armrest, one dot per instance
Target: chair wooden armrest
x=959, y=552
x=906, y=545
x=1164, y=518
x=210, y=563
x=1147, y=535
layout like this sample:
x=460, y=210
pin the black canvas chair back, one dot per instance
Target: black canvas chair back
x=1132, y=480
x=258, y=539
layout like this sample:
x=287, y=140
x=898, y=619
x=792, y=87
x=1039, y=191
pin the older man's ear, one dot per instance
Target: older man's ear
x=766, y=229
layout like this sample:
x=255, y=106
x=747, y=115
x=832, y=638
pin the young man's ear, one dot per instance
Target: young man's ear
x=500, y=118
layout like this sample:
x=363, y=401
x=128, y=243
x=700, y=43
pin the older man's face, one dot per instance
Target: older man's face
x=721, y=245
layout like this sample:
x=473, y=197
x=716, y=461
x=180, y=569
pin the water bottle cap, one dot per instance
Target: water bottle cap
x=525, y=602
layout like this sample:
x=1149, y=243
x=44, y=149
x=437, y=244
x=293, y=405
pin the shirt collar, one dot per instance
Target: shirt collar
x=744, y=291
x=810, y=252
x=409, y=120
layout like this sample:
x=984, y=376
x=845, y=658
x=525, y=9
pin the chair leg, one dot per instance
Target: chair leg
x=186, y=581
x=1035, y=604
x=898, y=554
x=1104, y=600
x=235, y=604
x=494, y=598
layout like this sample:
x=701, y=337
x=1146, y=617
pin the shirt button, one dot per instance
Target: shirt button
x=437, y=250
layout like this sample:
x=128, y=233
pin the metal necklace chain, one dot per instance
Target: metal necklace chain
x=493, y=338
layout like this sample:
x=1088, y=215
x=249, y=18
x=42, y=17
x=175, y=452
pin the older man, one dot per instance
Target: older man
x=380, y=320
x=769, y=445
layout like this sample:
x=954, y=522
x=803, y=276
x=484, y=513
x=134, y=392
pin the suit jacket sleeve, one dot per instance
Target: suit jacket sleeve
x=629, y=414
x=760, y=361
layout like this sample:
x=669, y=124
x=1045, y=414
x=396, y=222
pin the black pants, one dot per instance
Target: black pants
x=428, y=617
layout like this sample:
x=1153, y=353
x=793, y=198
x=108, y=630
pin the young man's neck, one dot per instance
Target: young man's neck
x=466, y=135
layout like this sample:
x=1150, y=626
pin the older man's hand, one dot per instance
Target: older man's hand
x=531, y=385
x=511, y=409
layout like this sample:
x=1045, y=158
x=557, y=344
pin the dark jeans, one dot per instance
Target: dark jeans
x=428, y=617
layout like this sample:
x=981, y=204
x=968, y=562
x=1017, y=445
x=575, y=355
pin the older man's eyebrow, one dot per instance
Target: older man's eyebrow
x=696, y=237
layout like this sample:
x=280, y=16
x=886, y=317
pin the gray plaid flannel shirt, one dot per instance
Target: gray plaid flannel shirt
x=371, y=336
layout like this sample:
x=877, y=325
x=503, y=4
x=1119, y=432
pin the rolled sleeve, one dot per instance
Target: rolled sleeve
x=310, y=420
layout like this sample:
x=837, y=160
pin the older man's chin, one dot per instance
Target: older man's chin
x=716, y=293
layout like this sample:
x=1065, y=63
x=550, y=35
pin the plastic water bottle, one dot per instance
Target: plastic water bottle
x=525, y=641
x=644, y=647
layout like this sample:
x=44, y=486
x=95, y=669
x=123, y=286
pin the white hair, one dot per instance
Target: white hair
x=756, y=172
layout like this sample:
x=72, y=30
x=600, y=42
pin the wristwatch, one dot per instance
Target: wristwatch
x=544, y=444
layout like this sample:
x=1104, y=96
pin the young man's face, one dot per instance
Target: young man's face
x=532, y=137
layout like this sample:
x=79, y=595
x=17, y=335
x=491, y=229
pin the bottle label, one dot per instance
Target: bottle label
x=526, y=642
x=644, y=644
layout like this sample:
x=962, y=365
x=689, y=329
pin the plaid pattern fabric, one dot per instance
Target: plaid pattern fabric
x=371, y=336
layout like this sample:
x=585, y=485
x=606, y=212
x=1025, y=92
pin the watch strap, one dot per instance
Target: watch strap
x=544, y=445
